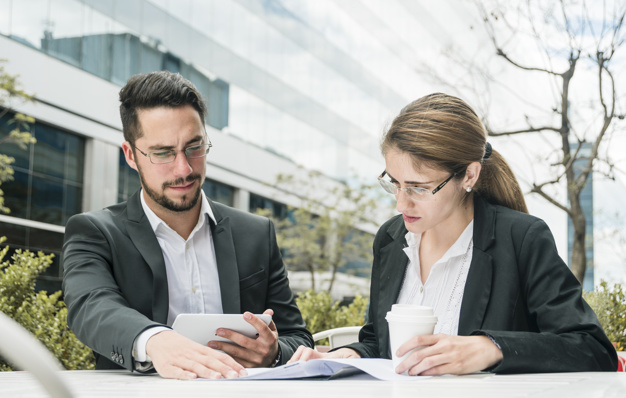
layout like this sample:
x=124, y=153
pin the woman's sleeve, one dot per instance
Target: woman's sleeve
x=569, y=336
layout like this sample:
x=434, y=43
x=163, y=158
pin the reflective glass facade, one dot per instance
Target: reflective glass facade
x=128, y=180
x=289, y=86
x=219, y=192
x=279, y=210
x=47, y=183
x=47, y=188
x=282, y=75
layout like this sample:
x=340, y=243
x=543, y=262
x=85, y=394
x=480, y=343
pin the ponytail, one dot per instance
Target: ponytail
x=443, y=132
x=498, y=185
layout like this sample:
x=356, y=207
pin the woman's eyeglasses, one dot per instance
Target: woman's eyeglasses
x=414, y=193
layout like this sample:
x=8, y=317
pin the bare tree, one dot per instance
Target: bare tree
x=574, y=43
x=588, y=37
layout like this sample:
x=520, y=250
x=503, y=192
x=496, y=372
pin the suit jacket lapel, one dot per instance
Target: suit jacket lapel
x=479, y=278
x=226, y=262
x=393, y=267
x=142, y=236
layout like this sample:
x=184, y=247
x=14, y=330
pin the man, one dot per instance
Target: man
x=131, y=268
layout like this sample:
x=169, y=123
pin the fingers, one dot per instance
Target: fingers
x=243, y=356
x=270, y=312
x=175, y=356
x=251, y=352
x=443, y=354
x=418, y=341
x=304, y=354
x=261, y=327
x=263, y=331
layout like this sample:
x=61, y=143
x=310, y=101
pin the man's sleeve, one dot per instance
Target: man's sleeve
x=292, y=330
x=98, y=313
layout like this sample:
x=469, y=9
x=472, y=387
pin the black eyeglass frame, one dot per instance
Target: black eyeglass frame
x=398, y=189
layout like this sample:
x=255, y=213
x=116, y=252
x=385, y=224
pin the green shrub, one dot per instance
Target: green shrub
x=43, y=315
x=609, y=304
x=320, y=313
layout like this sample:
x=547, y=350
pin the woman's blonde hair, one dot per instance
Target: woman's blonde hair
x=443, y=132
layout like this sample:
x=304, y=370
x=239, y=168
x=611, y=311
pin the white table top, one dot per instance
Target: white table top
x=125, y=384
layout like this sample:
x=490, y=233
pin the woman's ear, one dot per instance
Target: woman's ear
x=471, y=175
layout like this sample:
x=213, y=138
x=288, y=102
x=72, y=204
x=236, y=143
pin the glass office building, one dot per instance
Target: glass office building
x=290, y=85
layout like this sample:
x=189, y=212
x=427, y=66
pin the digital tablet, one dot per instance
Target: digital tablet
x=202, y=328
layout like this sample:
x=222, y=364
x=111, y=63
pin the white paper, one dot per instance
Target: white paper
x=381, y=369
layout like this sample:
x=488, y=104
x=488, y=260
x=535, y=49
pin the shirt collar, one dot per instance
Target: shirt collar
x=459, y=248
x=155, y=221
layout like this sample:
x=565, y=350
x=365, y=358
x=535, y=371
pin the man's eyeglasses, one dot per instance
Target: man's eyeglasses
x=168, y=156
x=414, y=193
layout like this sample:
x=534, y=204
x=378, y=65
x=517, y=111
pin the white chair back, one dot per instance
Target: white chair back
x=23, y=350
x=339, y=336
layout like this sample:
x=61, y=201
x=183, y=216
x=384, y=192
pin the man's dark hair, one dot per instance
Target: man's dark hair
x=155, y=89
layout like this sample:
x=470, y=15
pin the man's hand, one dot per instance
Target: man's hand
x=176, y=357
x=305, y=353
x=249, y=352
x=444, y=354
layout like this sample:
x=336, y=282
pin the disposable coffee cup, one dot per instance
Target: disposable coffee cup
x=406, y=321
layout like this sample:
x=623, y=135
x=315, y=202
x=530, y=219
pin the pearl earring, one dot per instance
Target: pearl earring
x=468, y=189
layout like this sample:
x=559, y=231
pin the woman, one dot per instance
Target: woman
x=465, y=245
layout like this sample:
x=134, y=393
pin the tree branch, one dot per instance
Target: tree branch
x=608, y=118
x=502, y=54
x=528, y=130
x=537, y=189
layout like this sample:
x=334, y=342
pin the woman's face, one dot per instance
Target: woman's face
x=435, y=211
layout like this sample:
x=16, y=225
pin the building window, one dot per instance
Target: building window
x=117, y=56
x=219, y=192
x=47, y=186
x=127, y=180
x=48, y=182
x=279, y=210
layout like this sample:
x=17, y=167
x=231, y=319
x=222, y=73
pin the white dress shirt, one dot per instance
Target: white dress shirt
x=443, y=290
x=192, y=277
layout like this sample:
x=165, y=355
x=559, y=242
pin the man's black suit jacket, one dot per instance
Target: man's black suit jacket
x=115, y=282
x=518, y=290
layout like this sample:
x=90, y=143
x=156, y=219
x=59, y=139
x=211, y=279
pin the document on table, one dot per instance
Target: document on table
x=381, y=369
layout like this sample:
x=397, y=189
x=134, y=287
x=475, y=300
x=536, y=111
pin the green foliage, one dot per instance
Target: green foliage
x=43, y=315
x=609, y=304
x=20, y=125
x=320, y=313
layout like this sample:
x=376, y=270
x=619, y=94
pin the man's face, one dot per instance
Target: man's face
x=175, y=186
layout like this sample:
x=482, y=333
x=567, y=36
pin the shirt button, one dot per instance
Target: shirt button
x=421, y=289
x=193, y=289
x=187, y=246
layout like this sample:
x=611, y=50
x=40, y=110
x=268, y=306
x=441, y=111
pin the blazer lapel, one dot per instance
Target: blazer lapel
x=480, y=276
x=393, y=267
x=226, y=263
x=142, y=236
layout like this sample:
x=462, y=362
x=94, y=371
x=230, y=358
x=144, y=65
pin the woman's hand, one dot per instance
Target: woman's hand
x=305, y=353
x=444, y=354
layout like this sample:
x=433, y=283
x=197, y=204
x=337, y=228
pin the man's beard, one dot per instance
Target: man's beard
x=166, y=202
